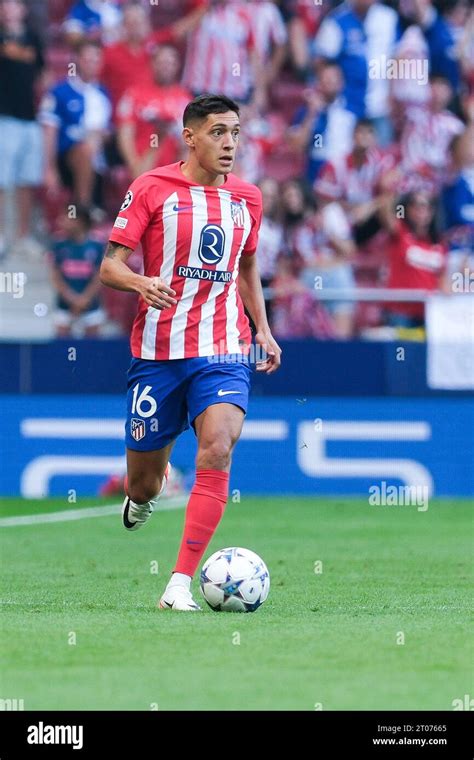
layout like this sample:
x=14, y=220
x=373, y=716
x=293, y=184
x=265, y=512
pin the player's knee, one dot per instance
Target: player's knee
x=215, y=454
x=142, y=491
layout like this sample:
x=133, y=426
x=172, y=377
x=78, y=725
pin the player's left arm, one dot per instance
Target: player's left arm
x=250, y=289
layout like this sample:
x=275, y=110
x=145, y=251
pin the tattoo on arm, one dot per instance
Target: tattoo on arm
x=114, y=248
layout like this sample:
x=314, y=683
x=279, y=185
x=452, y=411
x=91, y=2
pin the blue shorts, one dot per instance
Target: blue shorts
x=165, y=397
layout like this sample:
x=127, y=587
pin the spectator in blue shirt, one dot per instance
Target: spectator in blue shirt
x=76, y=116
x=443, y=30
x=323, y=127
x=75, y=264
x=93, y=19
x=458, y=203
x=354, y=35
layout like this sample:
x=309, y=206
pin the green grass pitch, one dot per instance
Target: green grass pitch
x=331, y=639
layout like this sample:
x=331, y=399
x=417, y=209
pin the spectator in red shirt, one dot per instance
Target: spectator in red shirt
x=222, y=54
x=149, y=116
x=358, y=181
x=416, y=258
x=270, y=38
x=128, y=61
x=296, y=313
x=425, y=140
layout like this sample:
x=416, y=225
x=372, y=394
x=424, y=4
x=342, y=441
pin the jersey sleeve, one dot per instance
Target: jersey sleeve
x=256, y=212
x=134, y=215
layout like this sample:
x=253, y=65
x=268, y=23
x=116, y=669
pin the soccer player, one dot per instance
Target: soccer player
x=198, y=225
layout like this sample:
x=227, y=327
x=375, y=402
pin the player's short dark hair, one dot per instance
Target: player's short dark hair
x=200, y=108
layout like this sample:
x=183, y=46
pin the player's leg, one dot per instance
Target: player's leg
x=147, y=473
x=156, y=415
x=218, y=429
x=217, y=400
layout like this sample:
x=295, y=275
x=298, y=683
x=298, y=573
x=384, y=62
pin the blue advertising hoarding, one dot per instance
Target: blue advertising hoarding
x=52, y=444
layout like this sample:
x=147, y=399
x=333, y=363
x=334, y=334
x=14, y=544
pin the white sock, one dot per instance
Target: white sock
x=180, y=579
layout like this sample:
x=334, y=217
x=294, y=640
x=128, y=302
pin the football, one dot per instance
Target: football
x=235, y=580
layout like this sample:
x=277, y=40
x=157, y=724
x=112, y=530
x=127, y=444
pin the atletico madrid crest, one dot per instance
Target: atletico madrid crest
x=237, y=213
x=137, y=429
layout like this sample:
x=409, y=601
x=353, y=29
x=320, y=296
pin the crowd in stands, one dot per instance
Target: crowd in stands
x=358, y=127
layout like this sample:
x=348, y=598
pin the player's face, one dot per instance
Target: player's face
x=215, y=142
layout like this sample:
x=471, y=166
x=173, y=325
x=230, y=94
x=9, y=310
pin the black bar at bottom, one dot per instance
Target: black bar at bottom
x=374, y=734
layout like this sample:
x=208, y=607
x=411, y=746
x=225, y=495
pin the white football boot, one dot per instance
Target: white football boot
x=136, y=515
x=177, y=595
x=178, y=598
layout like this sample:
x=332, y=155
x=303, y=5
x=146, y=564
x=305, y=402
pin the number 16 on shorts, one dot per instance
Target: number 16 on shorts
x=144, y=405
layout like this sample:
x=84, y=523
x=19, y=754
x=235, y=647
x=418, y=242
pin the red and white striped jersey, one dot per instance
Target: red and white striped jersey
x=192, y=237
x=218, y=52
x=344, y=180
x=425, y=147
x=268, y=27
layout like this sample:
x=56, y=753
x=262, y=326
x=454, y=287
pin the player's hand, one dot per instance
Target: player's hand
x=266, y=340
x=157, y=293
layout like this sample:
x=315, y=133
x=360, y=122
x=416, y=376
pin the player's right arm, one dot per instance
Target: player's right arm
x=115, y=273
x=134, y=217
